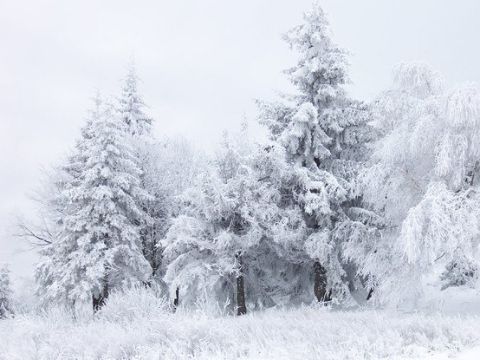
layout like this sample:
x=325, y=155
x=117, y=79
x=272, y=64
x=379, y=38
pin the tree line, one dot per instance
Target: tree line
x=345, y=202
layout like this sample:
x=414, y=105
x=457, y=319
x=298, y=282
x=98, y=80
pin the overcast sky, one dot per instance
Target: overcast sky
x=202, y=64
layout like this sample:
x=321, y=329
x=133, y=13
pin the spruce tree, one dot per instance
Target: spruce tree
x=99, y=247
x=138, y=126
x=324, y=133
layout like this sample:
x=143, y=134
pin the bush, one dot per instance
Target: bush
x=459, y=273
x=135, y=303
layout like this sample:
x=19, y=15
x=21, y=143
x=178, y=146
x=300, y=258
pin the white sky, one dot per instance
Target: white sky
x=202, y=64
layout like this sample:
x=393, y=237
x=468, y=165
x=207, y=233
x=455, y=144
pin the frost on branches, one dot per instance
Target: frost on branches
x=169, y=168
x=325, y=134
x=214, y=235
x=424, y=180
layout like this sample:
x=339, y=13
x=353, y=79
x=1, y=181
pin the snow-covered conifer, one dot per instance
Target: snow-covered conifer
x=132, y=107
x=138, y=125
x=99, y=247
x=325, y=134
x=6, y=306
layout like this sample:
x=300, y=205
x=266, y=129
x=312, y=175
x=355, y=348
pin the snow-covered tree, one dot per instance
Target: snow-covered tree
x=325, y=134
x=99, y=247
x=171, y=166
x=138, y=126
x=204, y=245
x=157, y=210
x=6, y=306
x=132, y=107
x=423, y=180
x=220, y=241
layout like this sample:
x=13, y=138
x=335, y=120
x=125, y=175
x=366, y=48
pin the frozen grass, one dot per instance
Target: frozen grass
x=297, y=334
x=142, y=327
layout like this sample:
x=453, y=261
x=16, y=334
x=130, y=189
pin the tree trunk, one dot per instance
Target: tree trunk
x=241, y=308
x=320, y=283
x=99, y=300
x=154, y=259
x=96, y=303
x=176, y=300
x=370, y=293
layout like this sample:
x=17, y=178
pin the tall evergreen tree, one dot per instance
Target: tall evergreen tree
x=99, y=248
x=138, y=125
x=324, y=133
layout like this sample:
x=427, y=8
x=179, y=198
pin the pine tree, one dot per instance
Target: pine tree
x=99, y=248
x=325, y=135
x=6, y=306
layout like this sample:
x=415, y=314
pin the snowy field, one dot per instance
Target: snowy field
x=148, y=330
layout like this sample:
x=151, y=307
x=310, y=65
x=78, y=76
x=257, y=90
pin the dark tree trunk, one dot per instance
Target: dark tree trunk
x=176, y=300
x=241, y=308
x=154, y=260
x=370, y=293
x=320, y=283
x=153, y=264
x=96, y=303
x=99, y=300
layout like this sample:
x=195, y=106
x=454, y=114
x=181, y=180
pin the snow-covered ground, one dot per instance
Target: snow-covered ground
x=306, y=333
x=138, y=325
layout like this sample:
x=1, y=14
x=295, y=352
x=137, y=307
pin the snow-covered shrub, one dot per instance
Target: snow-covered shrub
x=138, y=302
x=458, y=273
